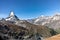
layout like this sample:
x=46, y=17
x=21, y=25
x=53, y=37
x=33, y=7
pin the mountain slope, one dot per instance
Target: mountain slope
x=29, y=29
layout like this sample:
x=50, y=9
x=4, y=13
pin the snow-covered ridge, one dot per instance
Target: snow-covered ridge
x=45, y=19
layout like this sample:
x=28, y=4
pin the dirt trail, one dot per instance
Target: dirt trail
x=56, y=37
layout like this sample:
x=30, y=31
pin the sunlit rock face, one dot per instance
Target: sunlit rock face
x=12, y=13
x=12, y=17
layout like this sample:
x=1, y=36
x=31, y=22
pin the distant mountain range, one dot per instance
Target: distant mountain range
x=50, y=21
x=31, y=29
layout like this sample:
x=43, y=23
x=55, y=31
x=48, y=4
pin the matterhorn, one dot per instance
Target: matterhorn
x=12, y=17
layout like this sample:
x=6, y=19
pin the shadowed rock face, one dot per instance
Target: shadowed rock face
x=1, y=38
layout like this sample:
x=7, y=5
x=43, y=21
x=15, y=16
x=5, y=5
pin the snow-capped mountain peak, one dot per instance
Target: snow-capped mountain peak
x=12, y=13
x=12, y=17
x=56, y=17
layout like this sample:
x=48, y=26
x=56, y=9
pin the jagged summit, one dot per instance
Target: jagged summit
x=12, y=13
x=12, y=17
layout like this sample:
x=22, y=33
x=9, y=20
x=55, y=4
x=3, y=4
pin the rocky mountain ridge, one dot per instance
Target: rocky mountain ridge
x=50, y=21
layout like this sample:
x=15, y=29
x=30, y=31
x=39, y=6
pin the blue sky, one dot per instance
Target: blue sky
x=27, y=9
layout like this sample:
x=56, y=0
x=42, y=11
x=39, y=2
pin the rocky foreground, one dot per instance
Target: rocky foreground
x=10, y=31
